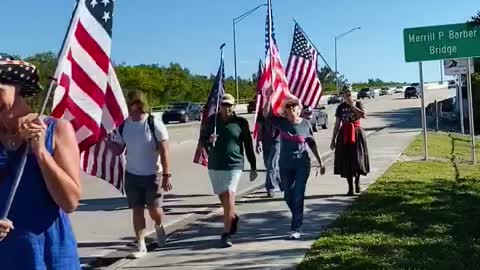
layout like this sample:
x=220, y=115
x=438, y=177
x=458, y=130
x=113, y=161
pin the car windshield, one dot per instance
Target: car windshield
x=415, y=84
x=384, y=88
x=365, y=90
x=180, y=105
x=412, y=88
x=399, y=87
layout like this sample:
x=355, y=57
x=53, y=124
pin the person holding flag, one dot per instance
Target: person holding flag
x=39, y=232
x=228, y=138
x=268, y=142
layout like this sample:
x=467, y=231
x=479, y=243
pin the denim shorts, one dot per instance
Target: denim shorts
x=142, y=190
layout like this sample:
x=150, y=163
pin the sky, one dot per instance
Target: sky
x=190, y=32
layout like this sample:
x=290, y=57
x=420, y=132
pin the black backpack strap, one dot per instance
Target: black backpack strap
x=151, y=126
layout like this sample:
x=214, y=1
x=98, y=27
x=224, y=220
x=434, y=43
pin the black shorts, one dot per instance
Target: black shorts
x=142, y=190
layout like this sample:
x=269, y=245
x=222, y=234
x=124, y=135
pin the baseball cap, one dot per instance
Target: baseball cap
x=228, y=99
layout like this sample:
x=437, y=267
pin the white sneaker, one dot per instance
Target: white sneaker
x=142, y=251
x=161, y=235
x=294, y=236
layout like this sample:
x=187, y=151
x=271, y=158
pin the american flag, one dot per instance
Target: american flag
x=273, y=82
x=260, y=100
x=302, y=70
x=88, y=93
x=216, y=94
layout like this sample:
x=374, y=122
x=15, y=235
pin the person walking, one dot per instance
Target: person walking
x=350, y=142
x=38, y=234
x=227, y=138
x=146, y=141
x=268, y=142
x=295, y=135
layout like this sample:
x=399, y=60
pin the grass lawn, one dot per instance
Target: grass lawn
x=419, y=215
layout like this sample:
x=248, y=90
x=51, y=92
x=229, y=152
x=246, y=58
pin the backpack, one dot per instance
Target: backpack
x=151, y=126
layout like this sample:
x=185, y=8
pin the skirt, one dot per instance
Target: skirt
x=351, y=160
x=224, y=180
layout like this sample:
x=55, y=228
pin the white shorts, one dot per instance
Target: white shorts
x=223, y=181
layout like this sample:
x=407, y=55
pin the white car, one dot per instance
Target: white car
x=399, y=89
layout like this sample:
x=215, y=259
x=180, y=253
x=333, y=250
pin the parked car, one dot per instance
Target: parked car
x=252, y=104
x=335, y=99
x=366, y=93
x=182, y=112
x=317, y=116
x=412, y=91
x=399, y=89
x=452, y=84
x=385, y=91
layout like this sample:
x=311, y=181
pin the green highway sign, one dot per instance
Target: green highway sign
x=441, y=42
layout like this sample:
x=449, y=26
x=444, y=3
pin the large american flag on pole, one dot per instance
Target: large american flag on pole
x=302, y=70
x=88, y=93
x=273, y=82
x=260, y=100
x=210, y=108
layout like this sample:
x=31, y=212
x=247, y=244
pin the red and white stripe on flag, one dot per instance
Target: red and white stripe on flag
x=279, y=92
x=302, y=70
x=89, y=95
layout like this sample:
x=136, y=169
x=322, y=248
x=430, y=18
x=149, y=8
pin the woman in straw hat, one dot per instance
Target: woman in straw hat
x=38, y=234
x=295, y=135
x=227, y=146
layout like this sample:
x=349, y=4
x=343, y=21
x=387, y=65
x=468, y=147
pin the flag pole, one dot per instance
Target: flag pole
x=270, y=36
x=23, y=160
x=311, y=42
x=218, y=94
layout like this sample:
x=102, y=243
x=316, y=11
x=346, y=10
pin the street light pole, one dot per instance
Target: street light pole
x=235, y=57
x=336, y=67
x=336, y=54
x=235, y=21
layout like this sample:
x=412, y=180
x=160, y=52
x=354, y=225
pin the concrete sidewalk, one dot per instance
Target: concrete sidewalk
x=260, y=242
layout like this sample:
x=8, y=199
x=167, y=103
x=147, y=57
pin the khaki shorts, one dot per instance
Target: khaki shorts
x=142, y=190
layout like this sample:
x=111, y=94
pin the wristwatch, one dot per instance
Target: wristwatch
x=167, y=175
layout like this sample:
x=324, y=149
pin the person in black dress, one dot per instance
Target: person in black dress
x=350, y=143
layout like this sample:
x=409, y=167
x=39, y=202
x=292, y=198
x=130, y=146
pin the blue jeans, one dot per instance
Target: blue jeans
x=271, y=155
x=294, y=181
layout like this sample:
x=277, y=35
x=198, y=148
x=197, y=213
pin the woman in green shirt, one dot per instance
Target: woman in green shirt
x=226, y=149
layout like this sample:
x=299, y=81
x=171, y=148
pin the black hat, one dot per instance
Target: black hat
x=13, y=71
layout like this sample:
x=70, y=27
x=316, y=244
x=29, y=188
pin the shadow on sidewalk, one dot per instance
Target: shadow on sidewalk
x=259, y=226
x=120, y=203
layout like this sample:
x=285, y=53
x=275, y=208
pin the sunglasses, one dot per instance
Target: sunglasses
x=227, y=105
x=290, y=106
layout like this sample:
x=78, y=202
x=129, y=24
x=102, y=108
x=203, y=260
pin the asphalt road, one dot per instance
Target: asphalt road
x=102, y=223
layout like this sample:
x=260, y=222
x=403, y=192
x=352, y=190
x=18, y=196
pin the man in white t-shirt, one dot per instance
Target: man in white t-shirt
x=147, y=169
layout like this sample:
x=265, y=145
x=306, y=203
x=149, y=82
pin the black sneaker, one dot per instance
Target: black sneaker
x=234, y=226
x=226, y=241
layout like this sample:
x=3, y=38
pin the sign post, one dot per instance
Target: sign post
x=460, y=97
x=424, y=116
x=470, y=111
x=442, y=42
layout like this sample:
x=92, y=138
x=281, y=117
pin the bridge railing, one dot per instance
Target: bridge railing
x=162, y=108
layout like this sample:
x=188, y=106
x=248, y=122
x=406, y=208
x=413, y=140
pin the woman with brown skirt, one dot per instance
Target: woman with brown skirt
x=350, y=142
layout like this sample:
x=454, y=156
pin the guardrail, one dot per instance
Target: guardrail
x=162, y=108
